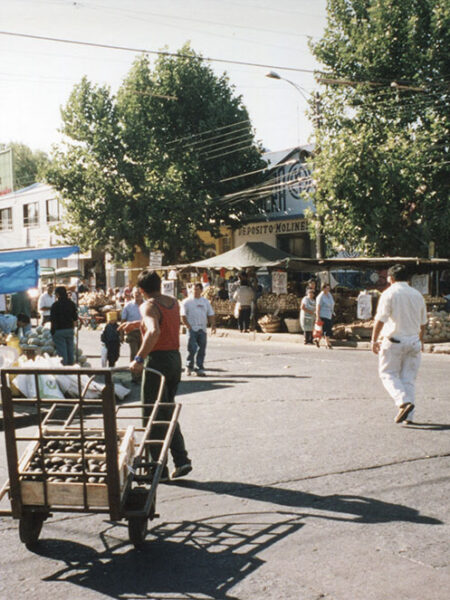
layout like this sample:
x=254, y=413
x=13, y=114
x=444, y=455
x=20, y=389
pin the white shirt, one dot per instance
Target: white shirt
x=244, y=295
x=197, y=311
x=402, y=309
x=45, y=303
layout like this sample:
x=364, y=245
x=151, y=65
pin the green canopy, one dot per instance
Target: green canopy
x=250, y=254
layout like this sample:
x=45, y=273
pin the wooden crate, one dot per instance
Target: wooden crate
x=71, y=493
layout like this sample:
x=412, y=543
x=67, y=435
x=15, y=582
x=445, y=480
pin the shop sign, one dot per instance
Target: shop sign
x=279, y=282
x=168, y=287
x=274, y=228
x=155, y=261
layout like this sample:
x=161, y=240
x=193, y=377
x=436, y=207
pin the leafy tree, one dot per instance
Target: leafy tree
x=143, y=168
x=382, y=166
x=29, y=165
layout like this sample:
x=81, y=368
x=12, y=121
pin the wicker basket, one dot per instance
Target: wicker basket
x=292, y=325
x=271, y=327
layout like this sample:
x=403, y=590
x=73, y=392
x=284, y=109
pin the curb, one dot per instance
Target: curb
x=297, y=338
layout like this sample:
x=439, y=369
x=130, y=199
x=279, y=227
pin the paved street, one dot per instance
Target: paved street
x=303, y=488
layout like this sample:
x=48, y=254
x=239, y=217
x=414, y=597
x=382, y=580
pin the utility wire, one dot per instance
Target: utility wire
x=157, y=52
x=208, y=131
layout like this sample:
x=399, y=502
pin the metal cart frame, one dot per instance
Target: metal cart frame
x=136, y=499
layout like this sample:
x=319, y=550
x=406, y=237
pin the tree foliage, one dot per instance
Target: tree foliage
x=382, y=166
x=29, y=165
x=143, y=168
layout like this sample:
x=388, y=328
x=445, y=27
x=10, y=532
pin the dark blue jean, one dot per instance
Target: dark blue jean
x=196, y=346
x=63, y=340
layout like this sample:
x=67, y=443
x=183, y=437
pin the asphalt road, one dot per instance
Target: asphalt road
x=303, y=488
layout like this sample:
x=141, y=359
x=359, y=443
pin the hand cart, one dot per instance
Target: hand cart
x=85, y=456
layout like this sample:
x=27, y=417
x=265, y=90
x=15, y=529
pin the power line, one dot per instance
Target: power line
x=157, y=52
x=208, y=131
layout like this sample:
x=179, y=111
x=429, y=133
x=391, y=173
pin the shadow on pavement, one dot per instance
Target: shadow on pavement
x=190, y=559
x=428, y=426
x=361, y=509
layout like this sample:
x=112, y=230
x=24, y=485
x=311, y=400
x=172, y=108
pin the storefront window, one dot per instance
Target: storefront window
x=6, y=223
x=31, y=214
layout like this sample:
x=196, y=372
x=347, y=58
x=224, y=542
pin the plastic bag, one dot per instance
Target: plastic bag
x=104, y=356
x=48, y=384
x=318, y=330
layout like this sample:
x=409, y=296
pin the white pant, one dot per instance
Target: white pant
x=398, y=366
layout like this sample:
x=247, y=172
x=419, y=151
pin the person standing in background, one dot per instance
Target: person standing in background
x=63, y=317
x=131, y=312
x=45, y=303
x=324, y=313
x=402, y=317
x=244, y=296
x=307, y=315
x=197, y=313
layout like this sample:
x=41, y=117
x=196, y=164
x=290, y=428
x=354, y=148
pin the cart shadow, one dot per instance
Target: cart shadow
x=359, y=509
x=191, y=559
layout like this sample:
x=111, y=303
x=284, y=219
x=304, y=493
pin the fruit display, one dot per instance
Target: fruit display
x=40, y=340
x=94, y=299
x=271, y=302
x=438, y=326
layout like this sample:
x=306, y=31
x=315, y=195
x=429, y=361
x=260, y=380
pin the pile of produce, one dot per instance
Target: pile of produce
x=223, y=307
x=438, y=326
x=94, y=299
x=40, y=340
x=210, y=292
x=267, y=303
x=288, y=302
x=3, y=337
x=63, y=461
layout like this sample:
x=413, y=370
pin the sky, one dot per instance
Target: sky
x=38, y=76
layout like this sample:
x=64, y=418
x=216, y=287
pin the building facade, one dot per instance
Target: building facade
x=27, y=218
x=287, y=195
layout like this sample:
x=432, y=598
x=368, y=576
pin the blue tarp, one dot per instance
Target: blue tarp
x=38, y=253
x=18, y=276
x=19, y=269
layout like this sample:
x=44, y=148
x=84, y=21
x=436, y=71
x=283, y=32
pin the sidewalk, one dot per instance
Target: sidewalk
x=297, y=338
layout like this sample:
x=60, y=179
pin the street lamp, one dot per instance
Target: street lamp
x=274, y=75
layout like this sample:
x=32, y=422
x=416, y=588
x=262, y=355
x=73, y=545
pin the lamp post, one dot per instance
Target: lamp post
x=305, y=94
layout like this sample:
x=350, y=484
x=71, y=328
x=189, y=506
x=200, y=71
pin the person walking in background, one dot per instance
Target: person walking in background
x=196, y=314
x=45, y=303
x=63, y=317
x=131, y=312
x=244, y=296
x=401, y=316
x=159, y=350
x=324, y=313
x=307, y=315
x=111, y=338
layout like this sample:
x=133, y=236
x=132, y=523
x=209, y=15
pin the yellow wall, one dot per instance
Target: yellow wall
x=221, y=244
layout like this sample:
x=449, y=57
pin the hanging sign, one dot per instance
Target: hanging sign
x=279, y=282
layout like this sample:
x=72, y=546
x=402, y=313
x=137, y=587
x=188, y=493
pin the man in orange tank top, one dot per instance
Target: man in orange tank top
x=159, y=350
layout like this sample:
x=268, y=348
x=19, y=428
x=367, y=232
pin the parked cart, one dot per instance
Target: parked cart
x=85, y=456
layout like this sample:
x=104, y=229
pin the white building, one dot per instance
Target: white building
x=26, y=220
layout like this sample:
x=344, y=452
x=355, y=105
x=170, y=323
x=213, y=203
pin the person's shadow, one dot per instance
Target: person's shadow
x=357, y=509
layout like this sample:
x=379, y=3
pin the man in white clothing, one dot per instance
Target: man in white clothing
x=45, y=303
x=196, y=313
x=402, y=317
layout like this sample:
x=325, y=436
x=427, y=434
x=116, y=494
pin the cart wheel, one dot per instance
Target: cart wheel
x=137, y=530
x=30, y=525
